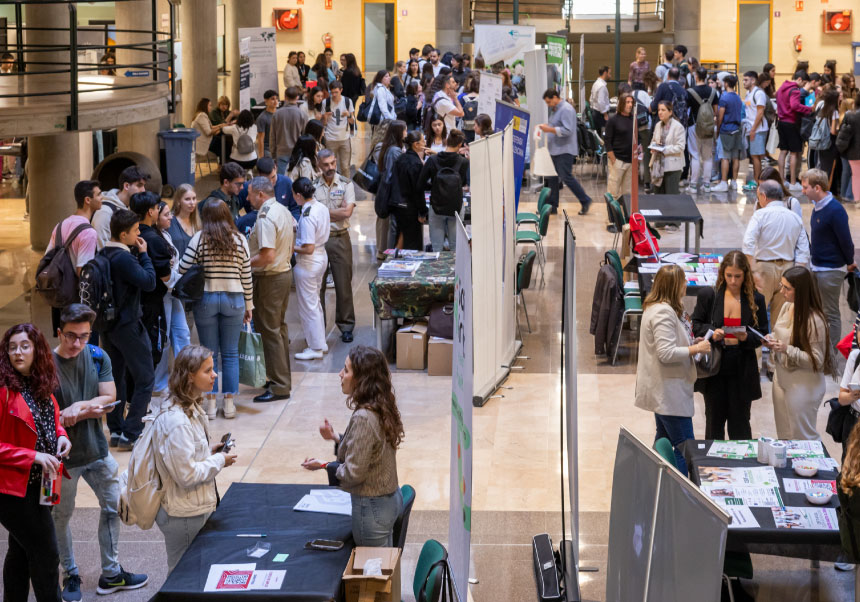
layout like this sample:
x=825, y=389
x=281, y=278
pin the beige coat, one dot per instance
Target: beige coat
x=665, y=373
x=676, y=141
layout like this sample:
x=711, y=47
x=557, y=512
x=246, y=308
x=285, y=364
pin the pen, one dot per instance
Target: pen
x=251, y=535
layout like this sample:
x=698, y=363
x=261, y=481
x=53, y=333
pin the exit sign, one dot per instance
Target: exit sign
x=798, y=5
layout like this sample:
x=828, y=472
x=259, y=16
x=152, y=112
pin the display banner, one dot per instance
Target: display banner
x=489, y=91
x=502, y=42
x=245, y=74
x=555, y=49
x=460, y=519
x=581, y=106
x=507, y=113
x=264, y=61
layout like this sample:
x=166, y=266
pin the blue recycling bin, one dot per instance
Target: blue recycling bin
x=179, y=155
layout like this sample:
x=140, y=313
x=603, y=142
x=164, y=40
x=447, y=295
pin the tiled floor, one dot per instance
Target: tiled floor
x=516, y=455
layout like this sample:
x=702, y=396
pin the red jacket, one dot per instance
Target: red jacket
x=789, y=107
x=18, y=441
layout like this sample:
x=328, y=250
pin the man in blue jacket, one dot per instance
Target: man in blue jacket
x=127, y=343
x=563, y=148
x=283, y=194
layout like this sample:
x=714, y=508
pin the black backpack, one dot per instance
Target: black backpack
x=56, y=279
x=96, y=291
x=470, y=111
x=429, y=114
x=446, y=194
x=585, y=139
x=679, y=103
x=642, y=114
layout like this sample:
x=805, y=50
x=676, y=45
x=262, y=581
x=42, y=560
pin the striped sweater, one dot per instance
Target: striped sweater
x=368, y=463
x=223, y=274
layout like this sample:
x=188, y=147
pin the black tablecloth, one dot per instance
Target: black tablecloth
x=673, y=207
x=312, y=575
x=796, y=543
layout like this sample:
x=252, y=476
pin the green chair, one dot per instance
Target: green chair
x=664, y=447
x=616, y=217
x=527, y=217
x=524, y=278
x=426, y=576
x=536, y=238
x=402, y=523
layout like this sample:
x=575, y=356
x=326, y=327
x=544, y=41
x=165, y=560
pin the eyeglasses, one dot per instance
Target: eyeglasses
x=71, y=337
x=22, y=348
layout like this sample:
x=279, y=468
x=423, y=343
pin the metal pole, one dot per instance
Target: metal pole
x=172, y=81
x=497, y=12
x=154, y=42
x=72, y=124
x=19, y=35
x=617, y=42
x=516, y=12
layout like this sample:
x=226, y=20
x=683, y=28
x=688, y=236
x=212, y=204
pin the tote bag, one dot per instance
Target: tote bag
x=252, y=362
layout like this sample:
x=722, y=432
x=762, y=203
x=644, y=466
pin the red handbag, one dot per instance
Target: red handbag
x=644, y=242
x=844, y=346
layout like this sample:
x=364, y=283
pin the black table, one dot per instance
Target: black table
x=768, y=539
x=647, y=280
x=673, y=208
x=256, y=508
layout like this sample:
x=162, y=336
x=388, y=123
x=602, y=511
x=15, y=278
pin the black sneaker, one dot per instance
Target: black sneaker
x=124, y=580
x=114, y=439
x=72, y=588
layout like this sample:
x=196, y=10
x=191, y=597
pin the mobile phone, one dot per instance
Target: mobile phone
x=757, y=333
x=227, y=442
x=854, y=386
x=329, y=545
x=110, y=405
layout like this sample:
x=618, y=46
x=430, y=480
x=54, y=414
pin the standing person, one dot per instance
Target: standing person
x=302, y=68
x=433, y=59
x=733, y=303
x=831, y=247
x=339, y=118
x=730, y=118
x=381, y=96
x=827, y=109
x=447, y=173
x=701, y=144
x=619, y=147
x=435, y=135
x=665, y=373
x=313, y=105
x=639, y=67
x=769, y=70
x=287, y=125
x=391, y=148
x=398, y=89
x=271, y=245
x=127, y=341
x=563, y=148
x=413, y=73
x=352, y=80
x=411, y=216
x=459, y=70
x=186, y=219
x=311, y=260
x=243, y=133
x=414, y=106
x=848, y=143
x=674, y=92
x=679, y=59
x=291, y=71
x=32, y=439
x=642, y=95
x=772, y=174
x=320, y=72
x=755, y=125
x=303, y=162
x=232, y=178
x=222, y=116
x=776, y=240
x=337, y=194
x=264, y=120
x=283, y=194
x=209, y=140
x=801, y=349
x=662, y=70
x=445, y=101
x=790, y=108
x=469, y=103
x=366, y=465
x=227, y=299
x=599, y=98
x=86, y=386
x=132, y=180
x=667, y=146
x=186, y=461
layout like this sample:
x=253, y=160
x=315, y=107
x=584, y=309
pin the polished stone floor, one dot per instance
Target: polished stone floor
x=516, y=454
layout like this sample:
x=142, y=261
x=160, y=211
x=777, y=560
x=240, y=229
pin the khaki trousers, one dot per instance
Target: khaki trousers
x=619, y=180
x=271, y=296
x=342, y=150
x=339, y=250
x=768, y=276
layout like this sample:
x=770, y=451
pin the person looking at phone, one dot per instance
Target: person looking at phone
x=85, y=394
x=339, y=118
x=32, y=441
x=366, y=452
x=185, y=460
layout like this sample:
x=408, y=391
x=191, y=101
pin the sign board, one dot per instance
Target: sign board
x=489, y=91
x=502, y=42
x=507, y=113
x=264, y=61
x=555, y=49
x=460, y=520
x=245, y=74
x=137, y=73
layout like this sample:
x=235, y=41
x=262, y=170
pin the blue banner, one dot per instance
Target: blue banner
x=506, y=113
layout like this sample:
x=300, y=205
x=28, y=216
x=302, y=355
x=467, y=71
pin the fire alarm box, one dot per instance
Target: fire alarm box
x=287, y=19
x=838, y=21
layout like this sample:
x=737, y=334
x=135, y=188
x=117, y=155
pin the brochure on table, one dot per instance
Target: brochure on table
x=326, y=501
x=232, y=577
x=791, y=517
x=741, y=449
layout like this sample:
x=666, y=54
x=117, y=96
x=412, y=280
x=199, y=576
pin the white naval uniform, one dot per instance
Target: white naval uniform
x=314, y=226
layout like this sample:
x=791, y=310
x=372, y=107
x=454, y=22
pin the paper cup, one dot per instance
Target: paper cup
x=777, y=454
x=764, y=450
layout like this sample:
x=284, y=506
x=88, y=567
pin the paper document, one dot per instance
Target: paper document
x=332, y=496
x=804, y=449
x=736, y=450
x=267, y=580
x=677, y=257
x=801, y=485
x=224, y=577
x=325, y=504
x=743, y=495
x=650, y=212
x=819, y=463
x=742, y=518
x=805, y=518
x=656, y=147
x=761, y=476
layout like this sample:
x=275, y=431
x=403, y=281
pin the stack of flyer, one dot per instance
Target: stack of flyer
x=397, y=268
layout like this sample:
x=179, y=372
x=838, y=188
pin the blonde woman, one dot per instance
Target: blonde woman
x=187, y=463
x=186, y=220
x=666, y=371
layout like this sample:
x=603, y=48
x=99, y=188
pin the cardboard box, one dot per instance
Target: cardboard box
x=358, y=588
x=411, y=343
x=440, y=354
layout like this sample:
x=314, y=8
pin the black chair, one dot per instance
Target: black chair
x=524, y=278
x=401, y=525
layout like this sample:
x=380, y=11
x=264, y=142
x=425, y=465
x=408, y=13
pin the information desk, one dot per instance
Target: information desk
x=673, y=208
x=311, y=575
x=768, y=539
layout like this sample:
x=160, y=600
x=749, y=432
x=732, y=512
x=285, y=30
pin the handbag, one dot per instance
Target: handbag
x=189, y=287
x=440, y=322
x=844, y=346
x=840, y=421
x=252, y=362
x=708, y=365
x=367, y=176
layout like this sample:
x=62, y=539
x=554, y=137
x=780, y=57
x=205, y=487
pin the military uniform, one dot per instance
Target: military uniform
x=338, y=195
x=310, y=271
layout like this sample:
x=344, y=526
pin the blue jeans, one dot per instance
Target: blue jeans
x=373, y=519
x=845, y=184
x=103, y=477
x=179, y=532
x=177, y=334
x=676, y=429
x=283, y=163
x=219, y=321
x=442, y=227
x=564, y=168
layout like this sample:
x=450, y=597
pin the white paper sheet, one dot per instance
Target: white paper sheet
x=820, y=463
x=312, y=503
x=805, y=518
x=742, y=518
x=332, y=496
x=761, y=476
x=267, y=579
x=801, y=485
x=736, y=450
x=743, y=495
x=650, y=212
x=238, y=576
x=804, y=449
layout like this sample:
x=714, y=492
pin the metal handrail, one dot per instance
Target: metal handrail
x=659, y=9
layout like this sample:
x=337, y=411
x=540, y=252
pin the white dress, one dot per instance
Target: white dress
x=314, y=226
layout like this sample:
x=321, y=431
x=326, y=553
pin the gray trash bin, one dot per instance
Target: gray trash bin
x=179, y=155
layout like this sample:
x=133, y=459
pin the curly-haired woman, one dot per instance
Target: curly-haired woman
x=366, y=465
x=31, y=441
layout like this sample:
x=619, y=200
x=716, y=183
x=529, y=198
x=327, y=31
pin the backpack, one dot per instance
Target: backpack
x=140, y=487
x=245, y=145
x=643, y=119
x=819, y=137
x=679, y=103
x=585, y=139
x=446, y=193
x=705, y=121
x=644, y=242
x=807, y=122
x=429, y=115
x=96, y=291
x=470, y=111
x=56, y=278
x=769, y=112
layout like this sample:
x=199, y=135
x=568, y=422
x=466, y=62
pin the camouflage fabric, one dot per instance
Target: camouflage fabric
x=412, y=297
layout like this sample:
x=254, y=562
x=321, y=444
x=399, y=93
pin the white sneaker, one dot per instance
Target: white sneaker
x=309, y=354
x=329, y=281
x=721, y=187
x=692, y=189
x=796, y=187
x=210, y=406
x=229, y=407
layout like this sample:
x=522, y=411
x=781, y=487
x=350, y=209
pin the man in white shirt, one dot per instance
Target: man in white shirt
x=338, y=116
x=433, y=57
x=600, y=98
x=446, y=104
x=776, y=239
x=755, y=125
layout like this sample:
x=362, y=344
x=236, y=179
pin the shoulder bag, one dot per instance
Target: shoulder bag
x=708, y=365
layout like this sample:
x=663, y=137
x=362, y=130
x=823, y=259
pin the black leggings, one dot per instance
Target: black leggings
x=411, y=229
x=32, y=555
